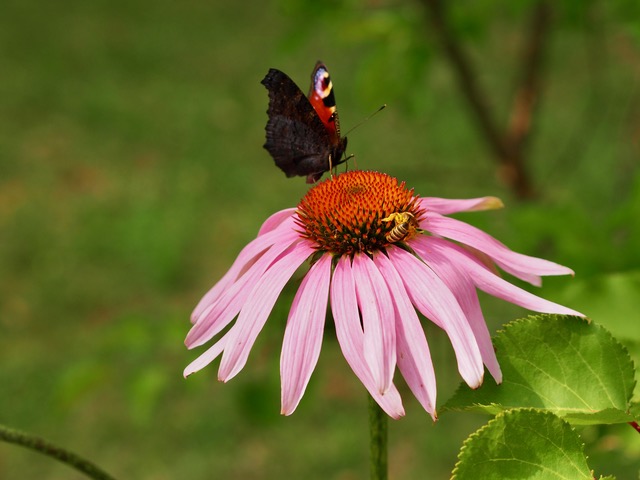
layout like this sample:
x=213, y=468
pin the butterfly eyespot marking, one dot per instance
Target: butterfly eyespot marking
x=405, y=225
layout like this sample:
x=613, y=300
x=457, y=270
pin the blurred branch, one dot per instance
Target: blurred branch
x=528, y=90
x=40, y=445
x=507, y=144
x=466, y=77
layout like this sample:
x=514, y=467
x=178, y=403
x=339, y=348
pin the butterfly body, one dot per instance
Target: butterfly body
x=303, y=134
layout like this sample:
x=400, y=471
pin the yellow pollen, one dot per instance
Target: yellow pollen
x=358, y=211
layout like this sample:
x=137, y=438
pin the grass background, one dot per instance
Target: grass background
x=132, y=172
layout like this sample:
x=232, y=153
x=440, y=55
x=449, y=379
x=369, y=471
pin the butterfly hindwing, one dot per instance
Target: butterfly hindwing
x=296, y=148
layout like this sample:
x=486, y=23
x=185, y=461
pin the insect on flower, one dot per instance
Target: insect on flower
x=405, y=225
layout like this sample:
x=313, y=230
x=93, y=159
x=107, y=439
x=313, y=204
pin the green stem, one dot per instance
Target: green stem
x=40, y=445
x=378, y=441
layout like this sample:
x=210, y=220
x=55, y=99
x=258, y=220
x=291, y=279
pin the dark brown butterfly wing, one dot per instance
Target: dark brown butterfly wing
x=296, y=137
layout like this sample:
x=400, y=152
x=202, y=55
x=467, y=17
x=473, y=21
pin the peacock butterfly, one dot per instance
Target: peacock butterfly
x=303, y=134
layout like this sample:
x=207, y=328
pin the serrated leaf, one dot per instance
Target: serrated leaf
x=562, y=364
x=612, y=299
x=523, y=445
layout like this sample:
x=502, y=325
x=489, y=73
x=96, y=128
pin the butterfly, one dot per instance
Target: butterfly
x=303, y=133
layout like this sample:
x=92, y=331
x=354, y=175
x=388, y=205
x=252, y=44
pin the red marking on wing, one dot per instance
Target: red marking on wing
x=323, y=102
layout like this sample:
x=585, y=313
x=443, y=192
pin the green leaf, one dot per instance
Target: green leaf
x=523, y=444
x=613, y=300
x=565, y=365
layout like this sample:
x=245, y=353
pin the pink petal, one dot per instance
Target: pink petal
x=489, y=282
x=303, y=335
x=255, y=312
x=351, y=337
x=414, y=358
x=219, y=314
x=517, y=264
x=465, y=292
x=206, y=358
x=275, y=220
x=378, y=320
x=433, y=298
x=445, y=206
x=247, y=257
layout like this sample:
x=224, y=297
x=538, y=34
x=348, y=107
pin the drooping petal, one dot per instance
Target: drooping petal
x=445, y=206
x=470, y=304
x=303, y=335
x=256, y=310
x=517, y=264
x=414, y=357
x=351, y=337
x=378, y=320
x=491, y=283
x=247, y=257
x=434, y=299
x=243, y=262
x=464, y=290
x=275, y=220
x=206, y=358
x=219, y=314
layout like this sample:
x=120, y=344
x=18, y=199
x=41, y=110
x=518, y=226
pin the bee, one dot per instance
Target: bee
x=405, y=224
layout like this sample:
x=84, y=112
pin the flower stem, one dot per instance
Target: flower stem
x=40, y=445
x=377, y=441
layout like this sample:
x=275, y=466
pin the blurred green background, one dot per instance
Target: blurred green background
x=132, y=172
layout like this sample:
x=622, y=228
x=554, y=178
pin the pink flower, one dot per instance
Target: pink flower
x=379, y=253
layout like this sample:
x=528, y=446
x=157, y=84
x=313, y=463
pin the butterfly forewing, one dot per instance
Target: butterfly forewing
x=323, y=100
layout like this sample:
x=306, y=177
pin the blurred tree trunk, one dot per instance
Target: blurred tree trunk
x=508, y=144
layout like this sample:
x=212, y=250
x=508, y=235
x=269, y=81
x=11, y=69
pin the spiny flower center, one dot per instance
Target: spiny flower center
x=359, y=211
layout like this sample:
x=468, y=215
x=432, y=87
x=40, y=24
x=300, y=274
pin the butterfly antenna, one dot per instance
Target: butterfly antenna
x=366, y=119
